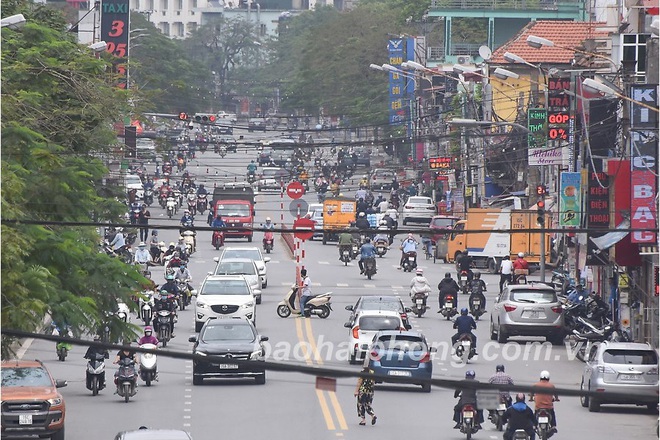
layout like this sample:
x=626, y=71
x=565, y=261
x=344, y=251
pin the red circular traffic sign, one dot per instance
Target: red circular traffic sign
x=303, y=228
x=295, y=190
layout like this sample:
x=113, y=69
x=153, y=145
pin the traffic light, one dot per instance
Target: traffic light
x=183, y=116
x=540, y=211
x=204, y=118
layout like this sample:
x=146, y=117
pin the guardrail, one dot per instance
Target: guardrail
x=287, y=237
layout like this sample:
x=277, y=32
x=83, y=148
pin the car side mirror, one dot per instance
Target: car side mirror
x=408, y=326
x=347, y=324
x=349, y=308
x=256, y=292
x=209, y=273
x=263, y=338
x=216, y=259
x=433, y=349
x=408, y=310
x=59, y=383
x=193, y=292
x=266, y=259
x=192, y=338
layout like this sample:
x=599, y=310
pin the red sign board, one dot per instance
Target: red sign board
x=303, y=228
x=295, y=190
x=642, y=206
x=440, y=163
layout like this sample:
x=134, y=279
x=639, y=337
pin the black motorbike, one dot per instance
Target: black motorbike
x=419, y=304
x=126, y=379
x=345, y=254
x=369, y=267
x=476, y=307
x=95, y=373
x=410, y=261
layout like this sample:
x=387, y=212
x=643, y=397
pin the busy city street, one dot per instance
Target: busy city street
x=289, y=406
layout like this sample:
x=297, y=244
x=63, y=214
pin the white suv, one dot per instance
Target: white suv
x=225, y=297
x=364, y=328
x=251, y=253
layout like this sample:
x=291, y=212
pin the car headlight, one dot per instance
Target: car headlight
x=55, y=402
x=201, y=305
x=256, y=355
x=248, y=305
x=201, y=353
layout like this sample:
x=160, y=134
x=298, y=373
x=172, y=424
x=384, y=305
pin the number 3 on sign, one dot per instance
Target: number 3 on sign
x=117, y=28
x=117, y=49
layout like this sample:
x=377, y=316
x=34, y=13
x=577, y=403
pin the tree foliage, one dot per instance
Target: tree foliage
x=57, y=114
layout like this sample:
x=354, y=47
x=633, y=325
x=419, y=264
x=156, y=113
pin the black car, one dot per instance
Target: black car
x=380, y=302
x=228, y=341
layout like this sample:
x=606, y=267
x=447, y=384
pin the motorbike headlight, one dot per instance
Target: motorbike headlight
x=55, y=402
x=248, y=305
x=201, y=305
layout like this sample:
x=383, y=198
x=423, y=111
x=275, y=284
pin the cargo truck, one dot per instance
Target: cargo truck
x=235, y=203
x=487, y=248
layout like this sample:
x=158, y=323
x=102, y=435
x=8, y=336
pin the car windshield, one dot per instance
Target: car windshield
x=235, y=268
x=273, y=173
x=402, y=343
x=25, y=377
x=384, y=174
x=225, y=287
x=419, y=200
x=250, y=254
x=133, y=180
x=379, y=323
x=630, y=357
x=442, y=223
x=228, y=332
x=533, y=296
x=380, y=303
x=232, y=210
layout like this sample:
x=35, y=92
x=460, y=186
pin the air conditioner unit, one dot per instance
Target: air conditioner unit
x=464, y=59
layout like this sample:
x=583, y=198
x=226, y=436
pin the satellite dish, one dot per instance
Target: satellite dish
x=485, y=52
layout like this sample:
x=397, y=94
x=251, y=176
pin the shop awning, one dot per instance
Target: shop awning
x=611, y=238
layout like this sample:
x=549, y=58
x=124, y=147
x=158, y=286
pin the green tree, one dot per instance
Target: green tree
x=57, y=114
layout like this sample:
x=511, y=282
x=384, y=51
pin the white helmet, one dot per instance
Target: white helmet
x=267, y=219
x=521, y=254
x=545, y=375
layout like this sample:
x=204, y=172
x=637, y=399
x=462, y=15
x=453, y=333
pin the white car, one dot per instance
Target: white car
x=250, y=253
x=364, y=328
x=241, y=266
x=133, y=181
x=225, y=296
x=271, y=178
x=418, y=208
x=315, y=212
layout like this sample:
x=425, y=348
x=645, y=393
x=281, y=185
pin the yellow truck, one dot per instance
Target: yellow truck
x=338, y=213
x=487, y=248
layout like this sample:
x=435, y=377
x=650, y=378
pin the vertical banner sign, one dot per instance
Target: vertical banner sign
x=558, y=125
x=537, y=124
x=570, y=200
x=396, y=85
x=115, y=29
x=598, y=214
x=130, y=140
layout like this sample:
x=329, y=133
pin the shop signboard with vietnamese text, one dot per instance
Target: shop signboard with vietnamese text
x=570, y=200
x=397, y=113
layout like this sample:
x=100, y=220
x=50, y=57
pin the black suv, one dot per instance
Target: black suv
x=228, y=341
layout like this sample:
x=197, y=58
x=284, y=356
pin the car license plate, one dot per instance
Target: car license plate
x=468, y=414
x=465, y=343
x=25, y=419
x=398, y=373
x=463, y=278
x=345, y=253
x=411, y=258
x=449, y=306
x=227, y=366
x=629, y=376
x=419, y=301
x=543, y=419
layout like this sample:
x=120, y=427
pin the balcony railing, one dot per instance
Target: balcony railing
x=552, y=5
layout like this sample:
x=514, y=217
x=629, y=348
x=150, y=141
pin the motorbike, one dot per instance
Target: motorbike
x=192, y=204
x=189, y=240
x=381, y=248
x=218, y=239
x=148, y=367
x=126, y=379
x=476, y=308
x=520, y=276
x=448, y=310
x=463, y=281
x=495, y=415
x=123, y=312
x=419, y=304
x=162, y=325
x=184, y=298
x=268, y=241
x=520, y=434
x=162, y=199
x=251, y=176
x=355, y=250
x=171, y=206
x=62, y=348
x=202, y=203
x=370, y=267
x=464, y=348
x=468, y=424
x=345, y=254
x=427, y=245
x=148, y=197
x=123, y=253
x=410, y=261
x=318, y=305
x=95, y=373
x=543, y=427
x=146, y=307
x=222, y=151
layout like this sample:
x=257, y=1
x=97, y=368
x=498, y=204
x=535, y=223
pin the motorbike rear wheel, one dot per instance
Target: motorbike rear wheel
x=283, y=311
x=325, y=312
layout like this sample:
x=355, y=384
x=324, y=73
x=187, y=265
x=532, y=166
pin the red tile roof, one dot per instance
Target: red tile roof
x=568, y=34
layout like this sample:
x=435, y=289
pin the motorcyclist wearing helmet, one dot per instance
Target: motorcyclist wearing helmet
x=184, y=274
x=468, y=396
x=545, y=401
x=92, y=351
x=171, y=249
x=382, y=236
x=448, y=286
x=520, y=267
x=148, y=337
x=362, y=223
x=465, y=264
x=519, y=416
x=477, y=288
x=408, y=245
x=464, y=325
x=501, y=378
x=419, y=284
x=252, y=167
x=201, y=190
x=170, y=285
x=345, y=243
x=187, y=219
x=175, y=261
x=367, y=250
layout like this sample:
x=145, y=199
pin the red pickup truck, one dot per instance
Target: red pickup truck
x=235, y=203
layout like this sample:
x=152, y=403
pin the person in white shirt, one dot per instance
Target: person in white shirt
x=306, y=292
x=142, y=255
x=382, y=206
x=118, y=241
x=506, y=270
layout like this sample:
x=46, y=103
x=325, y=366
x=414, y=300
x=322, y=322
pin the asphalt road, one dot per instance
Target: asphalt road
x=288, y=406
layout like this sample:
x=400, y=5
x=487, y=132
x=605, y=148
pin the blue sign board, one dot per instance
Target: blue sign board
x=395, y=48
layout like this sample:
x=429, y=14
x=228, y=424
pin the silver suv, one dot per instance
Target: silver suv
x=527, y=310
x=622, y=367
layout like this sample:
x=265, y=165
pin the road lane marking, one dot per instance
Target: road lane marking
x=329, y=422
x=342, y=285
x=338, y=410
x=370, y=286
x=324, y=262
x=301, y=338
